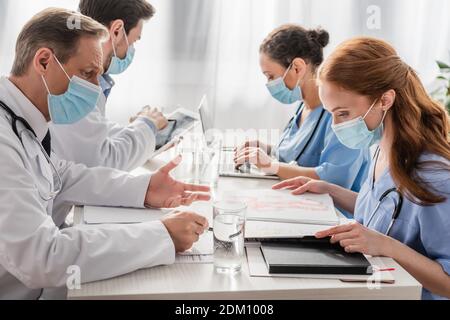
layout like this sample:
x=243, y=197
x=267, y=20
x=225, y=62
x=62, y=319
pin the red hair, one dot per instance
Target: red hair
x=371, y=67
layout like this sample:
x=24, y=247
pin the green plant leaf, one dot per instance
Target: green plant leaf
x=442, y=78
x=442, y=65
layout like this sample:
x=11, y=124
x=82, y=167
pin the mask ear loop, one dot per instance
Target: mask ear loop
x=45, y=82
x=370, y=109
x=287, y=71
x=384, y=116
x=126, y=39
x=62, y=68
x=113, y=47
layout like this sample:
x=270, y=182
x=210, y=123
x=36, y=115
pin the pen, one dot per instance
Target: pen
x=385, y=269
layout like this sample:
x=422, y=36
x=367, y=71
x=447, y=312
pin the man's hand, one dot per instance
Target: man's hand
x=154, y=115
x=165, y=192
x=185, y=228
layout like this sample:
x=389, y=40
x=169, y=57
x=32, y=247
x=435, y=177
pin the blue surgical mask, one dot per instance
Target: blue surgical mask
x=282, y=93
x=76, y=103
x=118, y=65
x=354, y=134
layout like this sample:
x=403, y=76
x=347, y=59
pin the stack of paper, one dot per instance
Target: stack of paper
x=268, y=230
x=282, y=206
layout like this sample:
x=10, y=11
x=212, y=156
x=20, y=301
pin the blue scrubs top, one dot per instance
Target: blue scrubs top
x=424, y=229
x=333, y=161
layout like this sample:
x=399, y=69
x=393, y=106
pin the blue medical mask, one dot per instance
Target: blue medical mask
x=76, y=103
x=118, y=65
x=282, y=93
x=354, y=134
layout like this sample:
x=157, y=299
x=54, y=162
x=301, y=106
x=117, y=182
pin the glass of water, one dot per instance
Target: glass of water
x=199, y=166
x=229, y=230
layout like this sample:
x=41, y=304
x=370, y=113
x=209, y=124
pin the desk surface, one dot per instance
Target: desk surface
x=199, y=281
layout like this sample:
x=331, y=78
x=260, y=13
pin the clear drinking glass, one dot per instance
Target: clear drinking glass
x=207, y=169
x=229, y=229
x=199, y=166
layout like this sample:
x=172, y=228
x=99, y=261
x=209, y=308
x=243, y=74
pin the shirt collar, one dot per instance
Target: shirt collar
x=106, y=82
x=313, y=116
x=23, y=107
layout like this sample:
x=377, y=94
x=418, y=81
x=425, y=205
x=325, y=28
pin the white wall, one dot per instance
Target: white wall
x=211, y=46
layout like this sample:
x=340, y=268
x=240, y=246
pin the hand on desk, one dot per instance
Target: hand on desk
x=185, y=228
x=301, y=185
x=165, y=192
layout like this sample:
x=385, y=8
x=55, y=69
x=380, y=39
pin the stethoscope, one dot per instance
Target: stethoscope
x=397, y=208
x=397, y=205
x=292, y=122
x=32, y=134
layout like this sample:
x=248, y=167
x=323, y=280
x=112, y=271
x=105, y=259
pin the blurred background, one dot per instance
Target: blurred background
x=192, y=47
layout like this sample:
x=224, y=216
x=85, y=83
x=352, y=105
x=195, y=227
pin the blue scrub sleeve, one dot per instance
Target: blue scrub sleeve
x=434, y=221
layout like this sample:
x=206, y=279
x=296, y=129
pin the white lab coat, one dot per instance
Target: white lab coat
x=34, y=252
x=96, y=141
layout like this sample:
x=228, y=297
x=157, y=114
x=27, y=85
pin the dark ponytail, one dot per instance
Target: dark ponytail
x=292, y=41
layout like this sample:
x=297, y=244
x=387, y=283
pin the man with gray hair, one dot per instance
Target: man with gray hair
x=55, y=78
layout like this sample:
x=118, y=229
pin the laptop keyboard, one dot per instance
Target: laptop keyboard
x=227, y=164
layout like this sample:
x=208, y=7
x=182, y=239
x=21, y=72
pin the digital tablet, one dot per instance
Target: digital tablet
x=180, y=122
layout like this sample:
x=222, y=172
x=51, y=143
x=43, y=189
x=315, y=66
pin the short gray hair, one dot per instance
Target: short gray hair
x=57, y=29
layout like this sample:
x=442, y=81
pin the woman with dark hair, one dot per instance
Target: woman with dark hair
x=403, y=209
x=289, y=58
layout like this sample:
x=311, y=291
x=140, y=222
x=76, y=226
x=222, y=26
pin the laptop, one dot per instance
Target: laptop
x=227, y=167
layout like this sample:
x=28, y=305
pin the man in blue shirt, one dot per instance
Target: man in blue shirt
x=95, y=140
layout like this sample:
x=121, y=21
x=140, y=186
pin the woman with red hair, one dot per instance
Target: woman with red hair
x=403, y=209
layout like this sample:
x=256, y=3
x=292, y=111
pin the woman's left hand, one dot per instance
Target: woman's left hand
x=355, y=237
